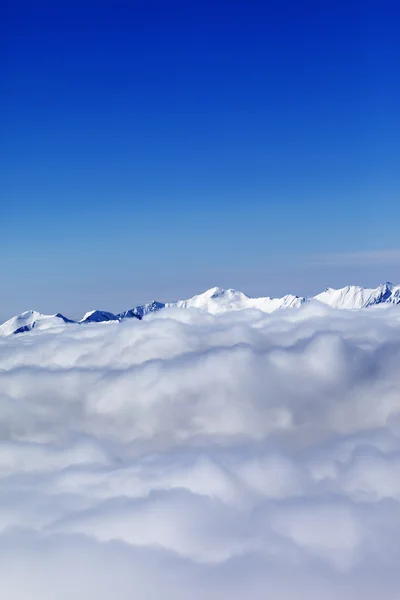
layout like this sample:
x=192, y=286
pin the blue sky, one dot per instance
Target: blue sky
x=152, y=149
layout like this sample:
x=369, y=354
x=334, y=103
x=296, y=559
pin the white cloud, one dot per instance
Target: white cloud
x=189, y=456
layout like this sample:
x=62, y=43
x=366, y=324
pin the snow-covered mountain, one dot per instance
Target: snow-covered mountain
x=215, y=300
x=142, y=310
x=352, y=296
x=98, y=316
x=31, y=319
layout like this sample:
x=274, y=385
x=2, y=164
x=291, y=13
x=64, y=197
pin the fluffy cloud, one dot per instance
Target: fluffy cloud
x=188, y=456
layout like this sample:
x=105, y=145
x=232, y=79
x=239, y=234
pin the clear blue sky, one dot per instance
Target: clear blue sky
x=156, y=148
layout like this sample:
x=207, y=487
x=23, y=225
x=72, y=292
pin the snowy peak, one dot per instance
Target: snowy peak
x=217, y=292
x=98, y=316
x=214, y=300
x=31, y=319
x=352, y=297
x=140, y=311
x=217, y=300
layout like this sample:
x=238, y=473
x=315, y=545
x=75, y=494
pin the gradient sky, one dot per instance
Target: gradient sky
x=155, y=148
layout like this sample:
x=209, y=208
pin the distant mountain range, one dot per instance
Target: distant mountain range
x=216, y=300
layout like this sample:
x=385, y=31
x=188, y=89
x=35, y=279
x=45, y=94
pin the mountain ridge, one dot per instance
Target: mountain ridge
x=215, y=300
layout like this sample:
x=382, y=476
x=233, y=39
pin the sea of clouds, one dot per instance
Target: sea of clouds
x=190, y=456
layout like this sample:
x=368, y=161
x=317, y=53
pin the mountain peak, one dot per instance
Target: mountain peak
x=98, y=316
x=214, y=292
x=30, y=319
x=217, y=300
x=388, y=285
x=355, y=297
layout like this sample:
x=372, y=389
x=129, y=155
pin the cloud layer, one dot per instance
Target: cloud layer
x=188, y=456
